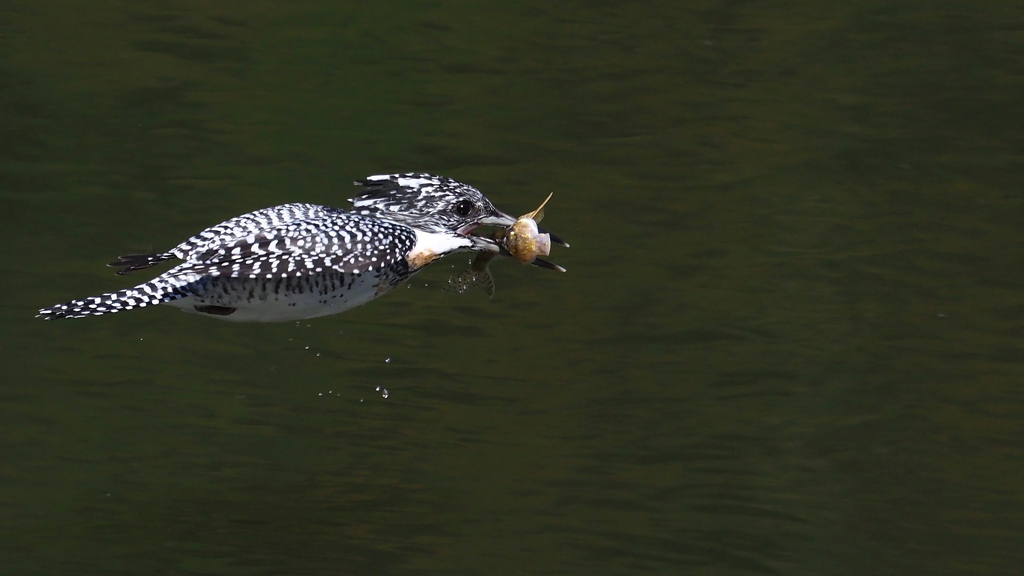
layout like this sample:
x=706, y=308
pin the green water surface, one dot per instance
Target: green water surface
x=790, y=340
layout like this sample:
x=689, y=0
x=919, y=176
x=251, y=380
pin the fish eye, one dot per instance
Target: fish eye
x=463, y=207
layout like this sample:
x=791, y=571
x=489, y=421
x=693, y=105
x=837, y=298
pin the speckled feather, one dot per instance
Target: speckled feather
x=339, y=242
x=303, y=260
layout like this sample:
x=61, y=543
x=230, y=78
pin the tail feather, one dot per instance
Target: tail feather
x=148, y=294
x=132, y=262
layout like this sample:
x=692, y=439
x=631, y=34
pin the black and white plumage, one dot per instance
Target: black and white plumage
x=299, y=261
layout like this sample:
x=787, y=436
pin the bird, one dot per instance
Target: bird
x=299, y=261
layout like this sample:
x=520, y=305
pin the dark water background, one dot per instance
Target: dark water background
x=789, y=340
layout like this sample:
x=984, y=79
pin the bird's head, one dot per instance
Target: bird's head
x=428, y=203
x=435, y=205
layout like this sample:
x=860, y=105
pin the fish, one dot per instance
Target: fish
x=523, y=241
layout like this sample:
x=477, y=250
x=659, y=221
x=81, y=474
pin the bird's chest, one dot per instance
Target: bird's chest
x=431, y=246
x=293, y=298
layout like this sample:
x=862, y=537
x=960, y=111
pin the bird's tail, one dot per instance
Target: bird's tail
x=156, y=291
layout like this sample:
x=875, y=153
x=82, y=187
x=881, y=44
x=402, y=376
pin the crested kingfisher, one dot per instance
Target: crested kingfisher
x=298, y=261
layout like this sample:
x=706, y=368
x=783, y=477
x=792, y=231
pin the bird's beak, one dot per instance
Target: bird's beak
x=499, y=219
x=483, y=244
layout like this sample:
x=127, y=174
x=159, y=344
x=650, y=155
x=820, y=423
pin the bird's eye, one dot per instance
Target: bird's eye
x=464, y=207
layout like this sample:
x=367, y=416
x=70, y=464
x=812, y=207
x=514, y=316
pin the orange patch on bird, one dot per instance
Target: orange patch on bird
x=419, y=258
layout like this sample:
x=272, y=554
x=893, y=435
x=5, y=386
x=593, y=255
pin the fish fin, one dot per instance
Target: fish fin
x=476, y=277
x=538, y=214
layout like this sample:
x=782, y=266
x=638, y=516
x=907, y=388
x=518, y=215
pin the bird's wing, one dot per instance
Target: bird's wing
x=342, y=242
x=243, y=226
x=231, y=230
